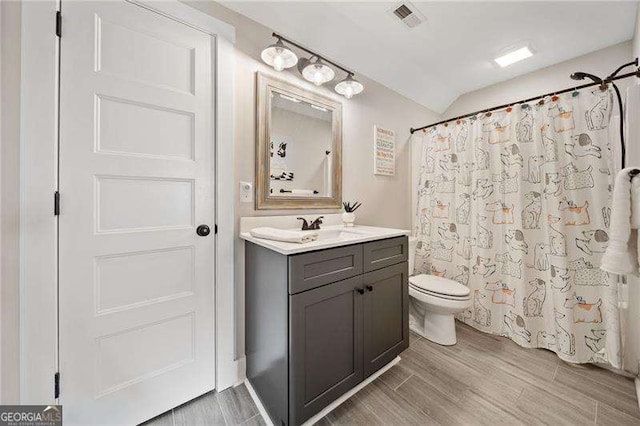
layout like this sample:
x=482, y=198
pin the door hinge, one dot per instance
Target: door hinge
x=56, y=203
x=215, y=228
x=59, y=23
x=56, y=385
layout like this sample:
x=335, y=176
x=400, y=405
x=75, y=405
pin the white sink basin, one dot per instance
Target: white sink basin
x=339, y=234
x=333, y=235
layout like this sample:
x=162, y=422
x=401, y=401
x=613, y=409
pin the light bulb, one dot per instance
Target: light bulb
x=317, y=77
x=279, y=56
x=278, y=62
x=349, y=87
x=317, y=72
x=348, y=91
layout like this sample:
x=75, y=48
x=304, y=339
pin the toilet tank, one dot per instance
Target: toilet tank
x=413, y=243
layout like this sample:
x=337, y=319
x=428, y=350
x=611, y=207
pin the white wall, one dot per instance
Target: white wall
x=386, y=200
x=636, y=37
x=556, y=77
x=632, y=349
x=10, y=16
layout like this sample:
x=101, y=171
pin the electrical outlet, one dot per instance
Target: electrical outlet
x=246, y=192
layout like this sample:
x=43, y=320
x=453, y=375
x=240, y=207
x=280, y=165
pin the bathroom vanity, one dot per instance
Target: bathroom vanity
x=321, y=317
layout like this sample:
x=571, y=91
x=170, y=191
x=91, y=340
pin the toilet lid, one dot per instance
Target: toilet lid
x=439, y=285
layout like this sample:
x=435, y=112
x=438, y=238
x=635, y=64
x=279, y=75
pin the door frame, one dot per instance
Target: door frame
x=39, y=170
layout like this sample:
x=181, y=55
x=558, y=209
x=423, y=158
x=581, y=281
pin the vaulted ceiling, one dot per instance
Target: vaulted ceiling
x=452, y=52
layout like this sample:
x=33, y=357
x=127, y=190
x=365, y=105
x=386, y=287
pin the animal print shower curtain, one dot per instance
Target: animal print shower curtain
x=515, y=204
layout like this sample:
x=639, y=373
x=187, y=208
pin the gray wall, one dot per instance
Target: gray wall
x=376, y=105
x=9, y=201
x=386, y=200
x=555, y=77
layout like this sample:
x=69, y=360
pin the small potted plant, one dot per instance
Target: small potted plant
x=349, y=217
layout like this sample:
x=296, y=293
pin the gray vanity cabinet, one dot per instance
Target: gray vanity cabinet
x=325, y=345
x=386, y=305
x=319, y=323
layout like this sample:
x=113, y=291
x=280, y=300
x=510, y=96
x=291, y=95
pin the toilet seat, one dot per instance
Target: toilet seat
x=438, y=295
x=439, y=287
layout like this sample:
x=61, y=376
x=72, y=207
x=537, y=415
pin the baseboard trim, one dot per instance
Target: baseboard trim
x=232, y=375
x=256, y=400
x=329, y=408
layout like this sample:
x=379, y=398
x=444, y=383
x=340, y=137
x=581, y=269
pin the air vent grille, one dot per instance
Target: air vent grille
x=408, y=14
x=402, y=12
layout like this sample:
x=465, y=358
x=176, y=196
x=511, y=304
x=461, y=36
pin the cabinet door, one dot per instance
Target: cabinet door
x=386, y=316
x=325, y=346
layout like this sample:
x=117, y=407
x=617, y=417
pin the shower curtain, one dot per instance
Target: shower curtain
x=515, y=204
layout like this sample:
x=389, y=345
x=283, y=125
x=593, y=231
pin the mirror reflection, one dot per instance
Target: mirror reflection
x=300, y=148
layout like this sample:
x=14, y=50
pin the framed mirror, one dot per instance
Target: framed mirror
x=298, y=147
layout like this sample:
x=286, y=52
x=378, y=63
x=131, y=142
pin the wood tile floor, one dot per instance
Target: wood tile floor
x=483, y=380
x=230, y=407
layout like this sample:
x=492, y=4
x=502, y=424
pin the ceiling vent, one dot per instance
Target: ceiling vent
x=408, y=14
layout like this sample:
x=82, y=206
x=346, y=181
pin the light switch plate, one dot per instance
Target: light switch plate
x=246, y=192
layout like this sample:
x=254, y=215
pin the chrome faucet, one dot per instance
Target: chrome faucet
x=314, y=225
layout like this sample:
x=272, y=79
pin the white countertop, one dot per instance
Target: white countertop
x=351, y=235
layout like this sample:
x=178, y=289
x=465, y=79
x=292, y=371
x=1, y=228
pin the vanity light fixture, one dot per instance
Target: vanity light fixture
x=314, y=69
x=279, y=56
x=349, y=87
x=514, y=56
x=318, y=72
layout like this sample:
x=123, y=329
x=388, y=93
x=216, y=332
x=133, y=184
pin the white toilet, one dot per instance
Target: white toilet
x=434, y=302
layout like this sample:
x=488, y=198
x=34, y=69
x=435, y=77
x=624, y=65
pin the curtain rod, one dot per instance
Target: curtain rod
x=583, y=86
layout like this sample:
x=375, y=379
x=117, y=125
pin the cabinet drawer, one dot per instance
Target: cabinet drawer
x=383, y=253
x=311, y=270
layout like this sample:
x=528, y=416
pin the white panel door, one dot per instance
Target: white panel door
x=136, y=282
